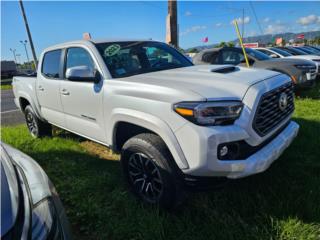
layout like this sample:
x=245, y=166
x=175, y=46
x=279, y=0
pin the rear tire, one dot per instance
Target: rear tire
x=36, y=127
x=149, y=170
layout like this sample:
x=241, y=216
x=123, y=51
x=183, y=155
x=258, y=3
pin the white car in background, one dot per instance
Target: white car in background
x=279, y=53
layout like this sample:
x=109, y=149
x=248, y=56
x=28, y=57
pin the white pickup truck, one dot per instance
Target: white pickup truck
x=175, y=124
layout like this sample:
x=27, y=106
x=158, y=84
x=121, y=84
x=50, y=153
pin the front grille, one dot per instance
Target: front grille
x=268, y=114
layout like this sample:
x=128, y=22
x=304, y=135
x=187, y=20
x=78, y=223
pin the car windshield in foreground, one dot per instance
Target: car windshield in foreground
x=125, y=59
x=257, y=55
x=281, y=52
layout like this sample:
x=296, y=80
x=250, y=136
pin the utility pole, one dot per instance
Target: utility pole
x=14, y=54
x=172, y=25
x=29, y=34
x=25, y=48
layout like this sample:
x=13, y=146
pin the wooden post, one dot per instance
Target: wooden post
x=172, y=23
x=29, y=34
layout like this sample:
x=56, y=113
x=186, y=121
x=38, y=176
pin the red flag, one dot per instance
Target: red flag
x=205, y=40
x=300, y=36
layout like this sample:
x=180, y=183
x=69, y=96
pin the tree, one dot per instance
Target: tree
x=230, y=44
x=194, y=50
x=222, y=44
x=316, y=40
x=283, y=42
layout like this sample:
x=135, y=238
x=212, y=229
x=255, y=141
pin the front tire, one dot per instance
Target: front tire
x=148, y=168
x=36, y=127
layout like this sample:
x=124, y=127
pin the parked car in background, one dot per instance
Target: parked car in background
x=302, y=72
x=315, y=47
x=30, y=206
x=8, y=69
x=309, y=50
x=274, y=52
x=176, y=125
x=294, y=51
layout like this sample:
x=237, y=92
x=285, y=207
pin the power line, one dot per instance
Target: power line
x=151, y=4
x=209, y=16
x=255, y=15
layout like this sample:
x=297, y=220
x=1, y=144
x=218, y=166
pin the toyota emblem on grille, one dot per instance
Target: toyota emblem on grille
x=283, y=101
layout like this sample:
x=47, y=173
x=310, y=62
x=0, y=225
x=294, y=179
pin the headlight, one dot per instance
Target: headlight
x=210, y=113
x=305, y=67
x=45, y=224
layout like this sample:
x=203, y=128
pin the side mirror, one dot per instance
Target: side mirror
x=274, y=56
x=83, y=73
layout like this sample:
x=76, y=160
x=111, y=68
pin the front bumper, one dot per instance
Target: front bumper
x=205, y=162
x=261, y=160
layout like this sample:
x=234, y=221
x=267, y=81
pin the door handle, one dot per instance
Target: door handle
x=40, y=88
x=65, y=92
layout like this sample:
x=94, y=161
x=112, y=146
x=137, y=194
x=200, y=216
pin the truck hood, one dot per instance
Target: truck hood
x=203, y=80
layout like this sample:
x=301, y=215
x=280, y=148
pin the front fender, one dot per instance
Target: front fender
x=152, y=123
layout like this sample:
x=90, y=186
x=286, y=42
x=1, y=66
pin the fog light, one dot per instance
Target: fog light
x=224, y=151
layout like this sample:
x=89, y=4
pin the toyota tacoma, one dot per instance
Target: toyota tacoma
x=175, y=124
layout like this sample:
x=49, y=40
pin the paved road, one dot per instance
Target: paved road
x=10, y=114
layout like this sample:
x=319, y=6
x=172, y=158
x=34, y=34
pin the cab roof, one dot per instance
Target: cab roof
x=95, y=41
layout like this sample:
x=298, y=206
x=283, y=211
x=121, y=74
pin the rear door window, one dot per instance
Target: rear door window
x=51, y=64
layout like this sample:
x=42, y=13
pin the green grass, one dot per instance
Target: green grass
x=281, y=203
x=6, y=84
x=6, y=87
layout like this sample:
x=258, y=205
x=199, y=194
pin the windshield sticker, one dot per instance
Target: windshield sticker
x=112, y=50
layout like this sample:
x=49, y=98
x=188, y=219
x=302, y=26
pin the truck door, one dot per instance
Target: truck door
x=82, y=99
x=48, y=88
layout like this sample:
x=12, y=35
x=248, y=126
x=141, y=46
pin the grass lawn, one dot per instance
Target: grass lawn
x=6, y=87
x=281, y=203
x=6, y=84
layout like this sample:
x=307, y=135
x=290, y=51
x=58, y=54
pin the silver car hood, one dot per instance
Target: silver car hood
x=9, y=195
x=203, y=80
x=38, y=181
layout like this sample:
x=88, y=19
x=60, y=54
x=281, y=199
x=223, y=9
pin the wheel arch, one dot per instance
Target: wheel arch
x=140, y=122
x=24, y=100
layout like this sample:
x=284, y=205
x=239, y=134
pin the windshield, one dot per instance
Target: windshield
x=305, y=50
x=125, y=59
x=296, y=51
x=313, y=50
x=257, y=55
x=281, y=52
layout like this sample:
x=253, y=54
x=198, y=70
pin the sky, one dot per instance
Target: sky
x=58, y=21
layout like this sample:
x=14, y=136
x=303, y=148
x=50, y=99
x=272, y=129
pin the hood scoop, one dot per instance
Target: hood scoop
x=225, y=69
x=221, y=69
